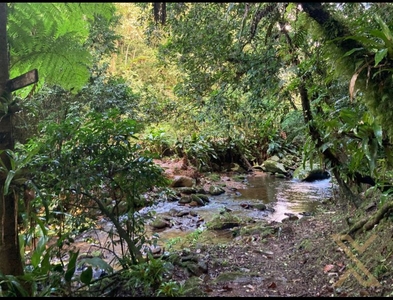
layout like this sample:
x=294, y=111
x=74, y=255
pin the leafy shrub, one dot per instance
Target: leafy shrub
x=150, y=278
x=96, y=160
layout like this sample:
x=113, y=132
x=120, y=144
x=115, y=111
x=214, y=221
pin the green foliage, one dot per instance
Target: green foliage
x=224, y=87
x=198, y=148
x=292, y=126
x=171, y=289
x=55, y=103
x=16, y=173
x=370, y=62
x=108, y=92
x=157, y=141
x=172, y=242
x=150, y=279
x=12, y=287
x=193, y=237
x=95, y=161
x=136, y=62
x=47, y=274
x=54, y=44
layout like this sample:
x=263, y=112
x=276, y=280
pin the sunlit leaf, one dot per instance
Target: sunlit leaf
x=380, y=55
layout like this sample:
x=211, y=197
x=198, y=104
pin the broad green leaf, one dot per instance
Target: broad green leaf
x=87, y=275
x=379, y=34
x=365, y=148
x=71, y=266
x=352, y=51
x=45, y=263
x=41, y=224
x=380, y=55
x=98, y=262
x=388, y=37
x=10, y=175
x=39, y=251
x=378, y=133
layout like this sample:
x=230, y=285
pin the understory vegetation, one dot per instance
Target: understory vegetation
x=211, y=84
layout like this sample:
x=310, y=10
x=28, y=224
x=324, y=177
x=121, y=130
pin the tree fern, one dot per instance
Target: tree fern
x=51, y=37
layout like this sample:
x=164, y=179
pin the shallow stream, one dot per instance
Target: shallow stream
x=285, y=196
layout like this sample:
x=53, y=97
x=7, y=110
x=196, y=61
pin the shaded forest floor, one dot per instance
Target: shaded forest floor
x=299, y=258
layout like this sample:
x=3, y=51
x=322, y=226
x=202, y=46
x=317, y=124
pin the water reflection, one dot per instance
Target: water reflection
x=287, y=196
x=283, y=195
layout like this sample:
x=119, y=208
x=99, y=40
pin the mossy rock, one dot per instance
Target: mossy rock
x=159, y=224
x=216, y=190
x=224, y=221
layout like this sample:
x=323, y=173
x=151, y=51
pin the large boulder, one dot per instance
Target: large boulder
x=216, y=190
x=273, y=166
x=182, y=181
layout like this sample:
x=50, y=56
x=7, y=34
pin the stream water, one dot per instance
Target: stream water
x=285, y=196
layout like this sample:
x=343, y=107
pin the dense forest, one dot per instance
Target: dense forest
x=118, y=85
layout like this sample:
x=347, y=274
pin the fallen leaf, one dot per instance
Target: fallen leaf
x=273, y=285
x=327, y=268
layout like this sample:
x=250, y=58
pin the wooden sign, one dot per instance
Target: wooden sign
x=22, y=80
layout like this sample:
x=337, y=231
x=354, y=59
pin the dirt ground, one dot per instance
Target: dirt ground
x=302, y=258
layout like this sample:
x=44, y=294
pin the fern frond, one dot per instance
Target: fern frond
x=50, y=37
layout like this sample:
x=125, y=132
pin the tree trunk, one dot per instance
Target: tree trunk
x=10, y=258
x=315, y=10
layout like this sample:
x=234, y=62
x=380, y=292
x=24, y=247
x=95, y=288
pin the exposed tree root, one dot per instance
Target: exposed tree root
x=369, y=222
x=246, y=162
